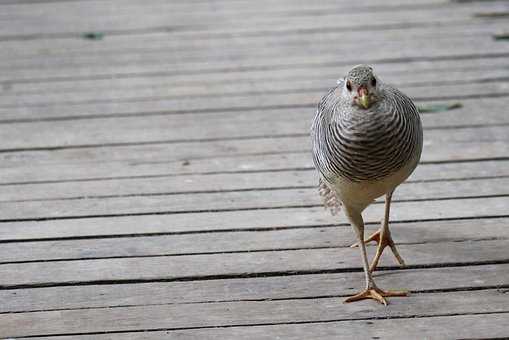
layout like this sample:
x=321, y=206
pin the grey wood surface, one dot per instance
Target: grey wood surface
x=439, y=327
x=156, y=179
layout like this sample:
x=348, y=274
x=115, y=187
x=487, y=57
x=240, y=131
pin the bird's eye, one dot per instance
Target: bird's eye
x=373, y=81
x=349, y=86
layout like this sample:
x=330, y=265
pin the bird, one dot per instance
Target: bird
x=366, y=140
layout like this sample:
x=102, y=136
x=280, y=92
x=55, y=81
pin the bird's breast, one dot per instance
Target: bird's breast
x=367, y=147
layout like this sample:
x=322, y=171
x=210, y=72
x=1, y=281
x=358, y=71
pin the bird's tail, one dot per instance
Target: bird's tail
x=329, y=198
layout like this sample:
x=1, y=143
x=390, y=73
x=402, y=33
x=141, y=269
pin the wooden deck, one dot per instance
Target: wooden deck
x=156, y=179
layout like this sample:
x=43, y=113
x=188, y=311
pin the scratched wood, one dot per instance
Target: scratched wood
x=226, y=125
x=436, y=326
x=218, y=265
x=247, y=49
x=474, y=66
x=156, y=178
x=246, y=313
x=243, y=101
x=230, y=241
x=238, y=289
x=101, y=90
x=146, y=203
x=429, y=181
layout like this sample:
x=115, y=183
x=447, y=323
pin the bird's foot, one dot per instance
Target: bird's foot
x=377, y=294
x=374, y=237
x=383, y=239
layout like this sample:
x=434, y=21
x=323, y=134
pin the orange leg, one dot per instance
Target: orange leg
x=383, y=238
x=371, y=291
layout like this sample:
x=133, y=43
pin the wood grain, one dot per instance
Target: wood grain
x=246, y=313
x=156, y=180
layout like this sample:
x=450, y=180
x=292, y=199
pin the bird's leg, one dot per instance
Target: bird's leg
x=383, y=237
x=371, y=291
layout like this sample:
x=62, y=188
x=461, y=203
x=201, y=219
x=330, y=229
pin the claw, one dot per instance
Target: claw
x=376, y=294
x=383, y=240
x=374, y=237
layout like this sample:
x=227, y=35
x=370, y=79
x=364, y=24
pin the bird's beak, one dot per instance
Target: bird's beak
x=363, y=97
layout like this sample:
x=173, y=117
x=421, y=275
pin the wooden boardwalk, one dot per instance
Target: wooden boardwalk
x=156, y=179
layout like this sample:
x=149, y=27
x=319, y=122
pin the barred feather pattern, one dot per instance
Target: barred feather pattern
x=329, y=198
x=365, y=145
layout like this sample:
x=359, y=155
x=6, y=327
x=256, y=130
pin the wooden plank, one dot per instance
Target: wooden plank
x=154, y=17
x=328, y=72
x=245, y=313
x=230, y=125
x=458, y=326
x=232, y=155
x=250, y=102
x=97, y=169
x=233, y=181
x=187, y=64
x=165, y=87
x=217, y=240
x=175, y=8
x=162, y=202
x=224, y=265
x=70, y=48
x=245, y=219
x=252, y=288
x=202, y=7
x=155, y=46
x=282, y=184
x=239, y=241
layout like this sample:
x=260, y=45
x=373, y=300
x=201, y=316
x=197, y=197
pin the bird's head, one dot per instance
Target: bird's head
x=361, y=86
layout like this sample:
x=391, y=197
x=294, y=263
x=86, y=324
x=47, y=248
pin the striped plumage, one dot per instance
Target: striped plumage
x=361, y=145
x=367, y=139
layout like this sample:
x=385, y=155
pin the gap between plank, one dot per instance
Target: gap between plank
x=314, y=297
x=198, y=211
x=261, y=250
x=155, y=213
x=191, y=192
x=249, y=93
x=247, y=275
x=215, y=139
x=265, y=324
x=230, y=230
x=268, y=67
x=297, y=169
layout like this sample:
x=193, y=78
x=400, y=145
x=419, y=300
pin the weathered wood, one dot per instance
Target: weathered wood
x=301, y=238
x=186, y=158
x=223, y=125
x=232, y=83
x=154, y=17
x=252, y=61
x=253, y=187
x=447, y=327
x=201, y=8
x=240, y=102
x=72, y=50
x=253, y=288
x=250, y=102
x=246, y=313
x=248, y=219
x=196, y=267
x=239, y=166
x=478, y=67
x=196, y=48
x=160, y=177
x=234, y=181
x=151, y=200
